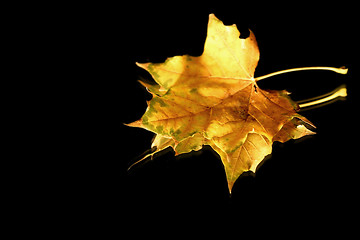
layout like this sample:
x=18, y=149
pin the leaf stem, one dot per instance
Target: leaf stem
x=341, y=70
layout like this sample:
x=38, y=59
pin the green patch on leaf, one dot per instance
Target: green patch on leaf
x=159, y=129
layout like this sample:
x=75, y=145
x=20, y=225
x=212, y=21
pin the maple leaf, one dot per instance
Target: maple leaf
x=214, y=100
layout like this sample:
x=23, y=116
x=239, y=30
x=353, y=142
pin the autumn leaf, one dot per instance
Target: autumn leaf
x=214, y=100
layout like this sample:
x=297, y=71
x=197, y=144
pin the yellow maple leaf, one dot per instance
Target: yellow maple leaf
x=214, y=100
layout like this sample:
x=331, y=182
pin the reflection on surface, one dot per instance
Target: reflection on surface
x=338, y=94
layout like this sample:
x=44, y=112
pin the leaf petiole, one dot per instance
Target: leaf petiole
x=341, y=70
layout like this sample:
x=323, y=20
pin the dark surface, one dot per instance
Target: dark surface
x=312, y=178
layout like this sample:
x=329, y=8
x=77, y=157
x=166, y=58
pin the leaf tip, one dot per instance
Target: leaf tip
x=137, y=123
x=213, y=18
x=230, y=186
x=142, y=65
x=211, y=15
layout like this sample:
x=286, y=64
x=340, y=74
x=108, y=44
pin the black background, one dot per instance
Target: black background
x=311, y=179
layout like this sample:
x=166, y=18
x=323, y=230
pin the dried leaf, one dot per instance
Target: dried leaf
x=214, y=100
